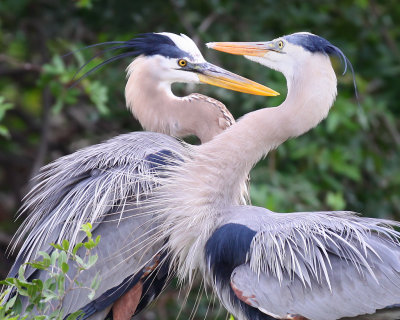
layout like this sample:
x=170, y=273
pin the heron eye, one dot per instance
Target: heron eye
x=280, y=44
x=182, y=62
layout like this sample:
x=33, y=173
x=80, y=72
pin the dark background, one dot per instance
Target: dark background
x=351, y=161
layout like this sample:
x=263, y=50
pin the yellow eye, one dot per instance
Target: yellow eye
x=280, y=44
x=182, y=62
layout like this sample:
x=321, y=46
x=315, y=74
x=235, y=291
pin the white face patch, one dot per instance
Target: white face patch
x=184, y=43
x=304, y=32
x=287, y=62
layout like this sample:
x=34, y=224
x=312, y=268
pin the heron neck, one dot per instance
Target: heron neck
x=210, y=181
x=157, y=109
x=232, y=154
x=150, y=99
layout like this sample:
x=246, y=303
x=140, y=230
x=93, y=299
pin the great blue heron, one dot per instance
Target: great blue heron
x=268, y=265
x=104, y=184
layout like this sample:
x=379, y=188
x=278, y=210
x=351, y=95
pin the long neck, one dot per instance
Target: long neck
x=155, y=106
x=210, y=181
x=233, y=153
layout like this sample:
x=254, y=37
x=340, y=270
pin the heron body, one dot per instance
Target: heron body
x=268, y=265
x=320, y=265
x=105, y=184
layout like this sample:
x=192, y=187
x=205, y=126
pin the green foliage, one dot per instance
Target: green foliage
x=87, y=4
x=63, y=83
x=46, y=297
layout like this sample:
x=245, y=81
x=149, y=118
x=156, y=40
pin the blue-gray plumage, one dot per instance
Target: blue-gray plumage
x=150, y=44
x=304, y=263
x=110, y=178
x=314, y=43
x=228, y=248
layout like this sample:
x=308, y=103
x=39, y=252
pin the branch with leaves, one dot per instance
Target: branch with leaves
x=45, y=298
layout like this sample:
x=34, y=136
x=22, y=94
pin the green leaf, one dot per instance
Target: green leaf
x=62, y=258
x=55, y=67
x=4, y=132
x=92, y=260
x=50, y=294
x=64, y=267
x=65, y=245
x=21, y=272
x=38, y=283
x=96, y=281
x=75, y=315
x=61, y=284
x=22, y=292
x=79, y=260
x=58, y=105
x=4, y=106
x=54, y=256
x=46, y=258
x=76, y=248
x=87, y=228
x=90, y=244
x=56, y=245
x=47, y=284
x=91, y=294
x=78, y=283
x=17, y=307
x=10, y=303
x=84, y=4
x=98, y=93
x=4, y=293
x=9, y=281
x=335, y=200
x=40, y=265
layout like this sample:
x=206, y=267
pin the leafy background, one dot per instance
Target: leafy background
x=350, y=161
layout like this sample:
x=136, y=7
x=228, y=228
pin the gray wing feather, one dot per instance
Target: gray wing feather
x=86, y=186
x=120, y=252
x=321, y=265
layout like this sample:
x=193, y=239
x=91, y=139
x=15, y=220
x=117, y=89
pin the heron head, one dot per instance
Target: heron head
x=285, y=54
x=175, y=58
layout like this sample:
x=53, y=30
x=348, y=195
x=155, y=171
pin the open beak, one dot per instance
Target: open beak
x=258, y=49
x=216, y=76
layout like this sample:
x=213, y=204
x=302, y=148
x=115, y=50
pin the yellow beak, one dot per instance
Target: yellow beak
x=216, y=76
x=258, y=49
